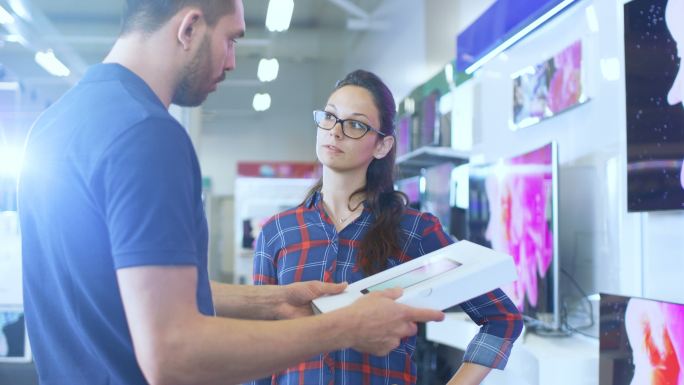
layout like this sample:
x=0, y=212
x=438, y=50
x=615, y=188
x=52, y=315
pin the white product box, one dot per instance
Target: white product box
x=438, y=280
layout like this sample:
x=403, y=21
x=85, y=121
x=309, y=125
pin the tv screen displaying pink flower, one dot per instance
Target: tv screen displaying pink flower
x=548, y=88
x=641, y=341
x=512, y=209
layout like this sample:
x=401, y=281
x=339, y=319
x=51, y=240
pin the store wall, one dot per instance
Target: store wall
x=398, y=53
x=601, y=245
x=419, y=41
x=285, y=132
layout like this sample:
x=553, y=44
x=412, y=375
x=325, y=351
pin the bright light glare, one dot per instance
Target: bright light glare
x=449, y=73
x=610, y=69
x=261, y=102
x=5, y=17
x=268, y=70
x=51, y=64
x=11, y=159
x=592, y=19
x=279, y=15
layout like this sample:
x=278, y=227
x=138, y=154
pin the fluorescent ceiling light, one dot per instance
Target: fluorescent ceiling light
x=9, y=86
x=261, y=102
x=531, y=27
x=279, y=15
x=14, y=38
x=592, y=19
x=20, y=9
x=51, y=64
x=5, y=17
x=268, y=70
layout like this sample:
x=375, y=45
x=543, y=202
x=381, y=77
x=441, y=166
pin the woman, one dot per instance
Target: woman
x=353, y=224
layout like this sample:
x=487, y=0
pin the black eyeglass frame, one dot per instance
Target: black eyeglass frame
x=341, y=122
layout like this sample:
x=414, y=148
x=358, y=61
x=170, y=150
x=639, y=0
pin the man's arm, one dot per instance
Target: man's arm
x=175, y=344
x=269, y=302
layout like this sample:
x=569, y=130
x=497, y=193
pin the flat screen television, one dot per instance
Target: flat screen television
x=429, y=128
x=404, y=135
x=548, y=88
x=513, y=208
x=641, y=341
x=654, y=77
x=410, y=187
x=437, y=195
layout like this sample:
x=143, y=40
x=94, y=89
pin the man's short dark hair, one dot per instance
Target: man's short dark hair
x=149, y=15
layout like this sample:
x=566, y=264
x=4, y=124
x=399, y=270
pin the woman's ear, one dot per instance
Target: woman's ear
x=192, y=22
x=383, y=147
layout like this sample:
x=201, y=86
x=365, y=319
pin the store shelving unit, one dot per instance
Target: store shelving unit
x=412, y=163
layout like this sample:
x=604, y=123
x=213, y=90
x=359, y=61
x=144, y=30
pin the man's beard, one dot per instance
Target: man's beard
x=190, y=91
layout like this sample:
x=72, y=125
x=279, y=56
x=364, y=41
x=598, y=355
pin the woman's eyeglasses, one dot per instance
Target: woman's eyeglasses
x=350, y=128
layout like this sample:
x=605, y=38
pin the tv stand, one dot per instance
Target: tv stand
x=534, y=360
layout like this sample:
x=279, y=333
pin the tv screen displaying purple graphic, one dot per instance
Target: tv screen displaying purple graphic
x=410, y=187
x=404, y=135
x=548, y=88
x=654, y=76
x=513, y=208
x=641, y=341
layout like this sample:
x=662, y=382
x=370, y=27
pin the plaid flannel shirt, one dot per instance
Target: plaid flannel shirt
x=302, y=244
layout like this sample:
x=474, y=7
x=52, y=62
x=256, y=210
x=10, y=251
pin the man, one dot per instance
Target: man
x=115, y=237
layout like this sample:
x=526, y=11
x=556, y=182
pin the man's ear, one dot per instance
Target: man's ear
x=191, y=25
x=383, y=147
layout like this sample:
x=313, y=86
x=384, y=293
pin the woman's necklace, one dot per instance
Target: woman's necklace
x=342, y=220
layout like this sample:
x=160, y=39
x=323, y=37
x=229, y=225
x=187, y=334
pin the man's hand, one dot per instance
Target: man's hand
x=298, y=297
x=382, y=323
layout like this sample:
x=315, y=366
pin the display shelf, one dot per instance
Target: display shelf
x=412, y=163
x=534, y=360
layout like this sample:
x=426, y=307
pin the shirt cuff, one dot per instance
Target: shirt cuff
x=488, y=350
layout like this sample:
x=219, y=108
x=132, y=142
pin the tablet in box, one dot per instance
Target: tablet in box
x=438, y=280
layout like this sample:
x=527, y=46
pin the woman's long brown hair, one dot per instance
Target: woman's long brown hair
x=386, y=204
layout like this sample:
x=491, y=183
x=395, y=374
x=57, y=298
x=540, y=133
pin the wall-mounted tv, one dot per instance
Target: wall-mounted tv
x=641, y=341
x=410, y=187
x=548, y=88
x=654, y=76
x=437, y=196
x=404, y=135
x=429, y=128
x=513, y=208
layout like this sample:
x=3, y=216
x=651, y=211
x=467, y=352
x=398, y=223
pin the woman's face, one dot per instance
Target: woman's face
x=341, y=153
x=673, y=17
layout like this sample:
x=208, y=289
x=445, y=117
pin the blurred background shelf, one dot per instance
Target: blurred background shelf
x=412, y=163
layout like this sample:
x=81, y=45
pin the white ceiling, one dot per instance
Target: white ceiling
x=81, y=32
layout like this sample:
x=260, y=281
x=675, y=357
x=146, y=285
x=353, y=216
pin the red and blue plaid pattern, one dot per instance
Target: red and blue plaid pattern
x=302, y=244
